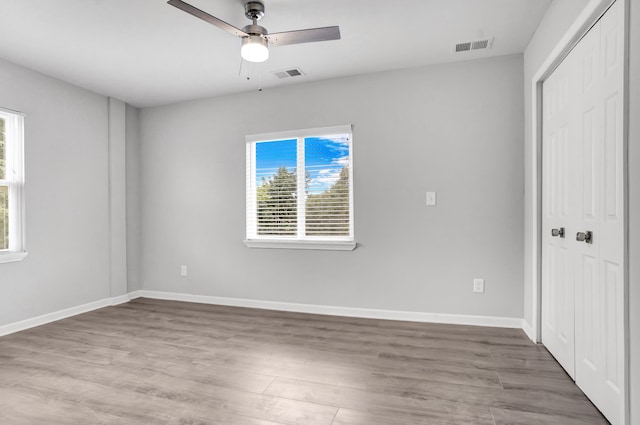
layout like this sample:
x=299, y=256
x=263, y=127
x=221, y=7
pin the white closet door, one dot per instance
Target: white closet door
x=599, y=268
x=583, y=192
x=558, y=207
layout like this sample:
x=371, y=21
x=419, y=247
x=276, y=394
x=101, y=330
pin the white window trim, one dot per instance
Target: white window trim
x=306, y=243
x=12, y=257
x=301, y=244
x=15, y=151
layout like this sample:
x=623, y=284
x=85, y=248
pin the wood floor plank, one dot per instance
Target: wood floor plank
x=429, y=370
x=475, y=360
x=175, y=363
x=552, y=383
x=515, y=417
x=161, y=397
x=19, y=407
x=354, y=417
x=134, y=368
x=404, y=408
x=315, y=373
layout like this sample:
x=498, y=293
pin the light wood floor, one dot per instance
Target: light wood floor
x=164, y=362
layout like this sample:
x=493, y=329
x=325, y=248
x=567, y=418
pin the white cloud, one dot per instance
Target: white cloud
x=337, y=144
x=342, y=161
x=327, y=175
x=325, y=178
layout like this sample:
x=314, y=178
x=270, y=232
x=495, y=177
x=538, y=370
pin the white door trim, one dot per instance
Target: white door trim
x=587, y=18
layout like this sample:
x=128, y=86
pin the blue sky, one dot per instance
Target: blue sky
x=324, y=159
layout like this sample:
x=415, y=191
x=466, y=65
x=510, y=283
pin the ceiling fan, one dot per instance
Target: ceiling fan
x=256, y=39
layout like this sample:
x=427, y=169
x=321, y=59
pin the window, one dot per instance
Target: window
x=300, y=189
x=11, y=184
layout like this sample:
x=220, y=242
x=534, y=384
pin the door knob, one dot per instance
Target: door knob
x=585, y=236
x=558, y=232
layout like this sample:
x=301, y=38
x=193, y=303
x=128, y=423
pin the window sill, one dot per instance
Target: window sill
x=284, y=244
x=10, y=257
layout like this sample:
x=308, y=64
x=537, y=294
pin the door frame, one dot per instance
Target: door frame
x=592, y=12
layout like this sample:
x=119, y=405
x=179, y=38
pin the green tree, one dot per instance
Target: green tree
x=328, y=212
x=277, y=204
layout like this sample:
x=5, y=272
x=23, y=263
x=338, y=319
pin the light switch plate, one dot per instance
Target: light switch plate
x=431, y=198
x=183, y=270
x=478, y=285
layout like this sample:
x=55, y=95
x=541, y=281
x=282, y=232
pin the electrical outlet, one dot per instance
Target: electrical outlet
x=183, y=270
x=478, y=285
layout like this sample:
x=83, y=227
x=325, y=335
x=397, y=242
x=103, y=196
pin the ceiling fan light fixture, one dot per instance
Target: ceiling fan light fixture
x=256, y=39
x=254, y=49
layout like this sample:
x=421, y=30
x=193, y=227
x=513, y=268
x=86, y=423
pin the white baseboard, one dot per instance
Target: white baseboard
x=454, y=319
x=56, y=315
x=120, y=299
x=134, y=294
x=528, y=329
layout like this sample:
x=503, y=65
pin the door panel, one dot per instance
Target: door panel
x=583, y=190
x=599, y=324
x=557, y=279
x=612, y=157
x=613, y=286
x=588, y=312
x=589, y=158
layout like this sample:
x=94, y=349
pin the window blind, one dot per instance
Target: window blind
x=327, y=161
x=4, y=190
x=11, y=182
x=300, y=187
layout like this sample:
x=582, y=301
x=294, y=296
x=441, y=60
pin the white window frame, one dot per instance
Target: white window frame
x=14, y=178
x=341, y=243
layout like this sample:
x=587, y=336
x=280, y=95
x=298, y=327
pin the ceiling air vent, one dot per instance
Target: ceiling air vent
x=473, y=45
x=294, y=72
x=463, y=47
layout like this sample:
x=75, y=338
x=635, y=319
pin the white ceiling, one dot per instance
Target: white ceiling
x=148, y=53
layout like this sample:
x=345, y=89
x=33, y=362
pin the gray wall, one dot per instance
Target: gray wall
x=455, y=129
x=133, y=209
x=634, y=209
x=66, y=147
x=117, y=198
x=559, y=17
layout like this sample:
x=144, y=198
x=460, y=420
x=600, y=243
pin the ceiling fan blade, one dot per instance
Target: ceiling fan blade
x=206, y=17
x=304, y=36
